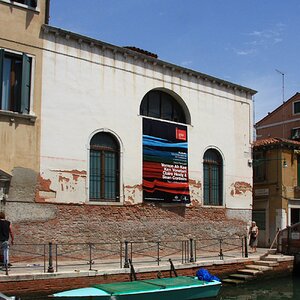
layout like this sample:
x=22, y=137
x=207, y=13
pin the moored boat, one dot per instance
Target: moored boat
x=181, y=287
x=204, y=285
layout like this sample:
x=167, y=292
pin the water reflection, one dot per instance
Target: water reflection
x=276, y=288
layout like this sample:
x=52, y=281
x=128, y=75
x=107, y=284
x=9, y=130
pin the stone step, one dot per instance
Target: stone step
x=233, y=281
x=241, y=276
x=250, y=272
x=270, y=258
x=266, y=263
x=259, y=267
x=279, y=257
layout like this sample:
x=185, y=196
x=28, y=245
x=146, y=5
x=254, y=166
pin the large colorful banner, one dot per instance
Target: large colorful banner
x=165, y=162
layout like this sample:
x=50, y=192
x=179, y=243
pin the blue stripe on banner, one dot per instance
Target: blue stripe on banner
x=152, y=142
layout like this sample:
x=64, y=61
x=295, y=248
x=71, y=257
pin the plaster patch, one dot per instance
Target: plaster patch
x=62, y=186
x=132, y=192
x=240, y=188
x=195, y=191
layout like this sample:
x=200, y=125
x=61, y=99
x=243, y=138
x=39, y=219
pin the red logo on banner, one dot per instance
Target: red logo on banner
x=180, y=134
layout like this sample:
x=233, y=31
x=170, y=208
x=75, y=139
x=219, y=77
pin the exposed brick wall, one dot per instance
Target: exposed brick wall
x=93, y=223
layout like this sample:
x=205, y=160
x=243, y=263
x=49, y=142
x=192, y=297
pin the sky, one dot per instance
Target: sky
x=254, y=43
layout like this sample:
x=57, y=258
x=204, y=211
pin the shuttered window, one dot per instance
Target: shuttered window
x=104, y=168
x=213, y=178
x=15, y=75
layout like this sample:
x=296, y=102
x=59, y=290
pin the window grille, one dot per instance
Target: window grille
x=104, y=168
x=213, y=178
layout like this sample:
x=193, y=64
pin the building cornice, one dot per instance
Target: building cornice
x=145, y=58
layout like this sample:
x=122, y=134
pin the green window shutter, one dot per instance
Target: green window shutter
x=25, y=92
x=1, y=74
x=206, y=184
x=95, y=175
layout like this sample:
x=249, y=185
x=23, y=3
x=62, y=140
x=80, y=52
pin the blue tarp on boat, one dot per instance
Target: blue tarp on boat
x=203, y=274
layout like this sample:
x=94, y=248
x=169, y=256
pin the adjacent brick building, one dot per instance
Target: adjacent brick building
x=283, y=122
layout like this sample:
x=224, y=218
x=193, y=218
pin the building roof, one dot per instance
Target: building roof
x=276, y=143
x=145, y=56
x=276, y=110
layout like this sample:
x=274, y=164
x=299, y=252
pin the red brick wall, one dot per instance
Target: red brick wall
x=92, y=223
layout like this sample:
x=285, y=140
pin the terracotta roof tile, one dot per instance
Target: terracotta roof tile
x=275, y=141
x=145, y=52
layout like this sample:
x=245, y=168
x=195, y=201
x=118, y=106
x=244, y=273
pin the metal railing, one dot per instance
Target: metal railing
x=55, y=257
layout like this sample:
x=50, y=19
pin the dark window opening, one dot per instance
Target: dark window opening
x=259, y=216
x=161, y=105
x=15, y=74
x=259, y=166
x=295, y=215
x=30, y=3
x=296, y=107
x=295, y=134
x=213, y=178
x=104, y=168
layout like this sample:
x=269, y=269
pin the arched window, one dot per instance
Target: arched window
x=212, y=178
x=104, y=167
x=161, y=105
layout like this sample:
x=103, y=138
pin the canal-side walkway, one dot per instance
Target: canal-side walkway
x=73, y=268
x=34, y=279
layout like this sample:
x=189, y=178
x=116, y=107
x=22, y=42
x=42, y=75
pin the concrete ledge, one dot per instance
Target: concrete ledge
x=123, y=271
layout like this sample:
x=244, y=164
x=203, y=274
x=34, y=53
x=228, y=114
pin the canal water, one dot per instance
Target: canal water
x=266, y=289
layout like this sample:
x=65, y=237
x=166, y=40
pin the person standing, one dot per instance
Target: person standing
x=5, y=233
x=253, y=231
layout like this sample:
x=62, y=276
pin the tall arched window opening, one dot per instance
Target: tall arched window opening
x=213, y=178
x=104, y=168
x=161, y=105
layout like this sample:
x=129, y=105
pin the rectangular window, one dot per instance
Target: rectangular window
x=30, y=3
x=296, y=107
x=295, y=215
x=259, y=167
x=15, y=74
x=295, y=134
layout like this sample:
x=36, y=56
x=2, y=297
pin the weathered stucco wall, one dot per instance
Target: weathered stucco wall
x=19, y=134
x=81, y=88
x=90, y=88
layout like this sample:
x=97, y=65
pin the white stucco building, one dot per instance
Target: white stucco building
x=91, y=87
x=108, y=143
